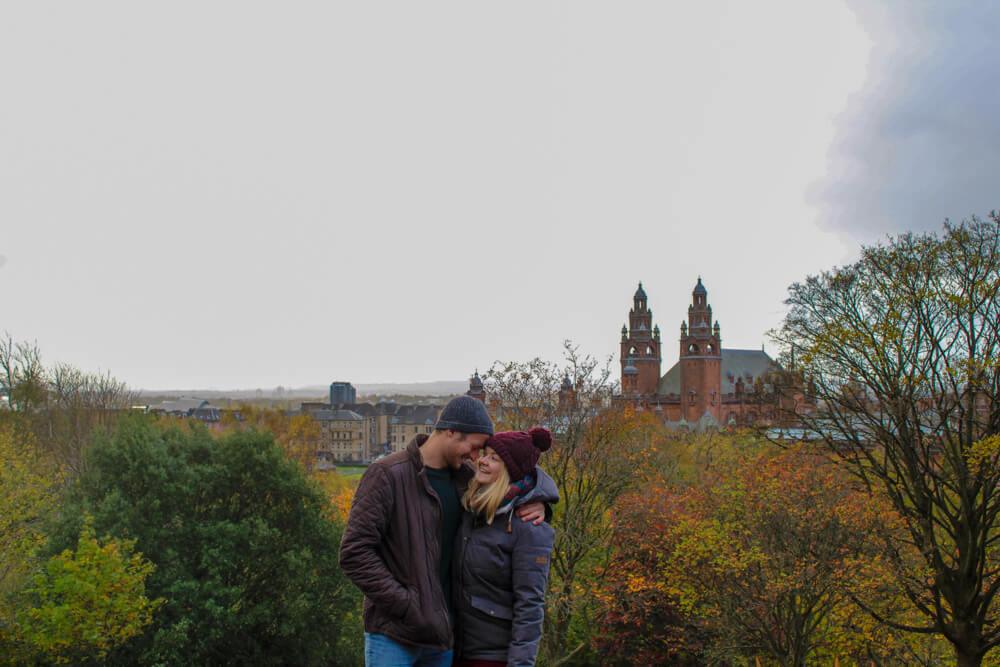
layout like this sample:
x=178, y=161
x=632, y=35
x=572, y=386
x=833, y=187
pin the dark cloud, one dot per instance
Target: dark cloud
x=921, y=140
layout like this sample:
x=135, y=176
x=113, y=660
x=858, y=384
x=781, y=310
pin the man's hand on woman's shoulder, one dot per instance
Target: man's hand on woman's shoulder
x=533, y=512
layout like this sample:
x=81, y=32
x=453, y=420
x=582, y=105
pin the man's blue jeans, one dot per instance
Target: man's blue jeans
x=380, y=651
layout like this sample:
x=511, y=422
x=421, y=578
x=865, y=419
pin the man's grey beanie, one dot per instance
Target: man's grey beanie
x=467, y=415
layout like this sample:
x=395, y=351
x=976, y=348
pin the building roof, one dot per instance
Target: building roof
x=699, y=288
x=748, y=364
x=346, y=416
x=179, y=405
x=640, y=293
x=336, y=416
x=417, y=414
x=363, y=409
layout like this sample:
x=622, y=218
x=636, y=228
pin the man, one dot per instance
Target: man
x=398, y=540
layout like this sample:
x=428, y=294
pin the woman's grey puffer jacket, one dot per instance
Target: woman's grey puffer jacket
x=500, y=580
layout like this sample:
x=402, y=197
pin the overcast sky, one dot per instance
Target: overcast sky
x=252, y=194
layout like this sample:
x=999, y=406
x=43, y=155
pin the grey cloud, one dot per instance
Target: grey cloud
x=921, y=140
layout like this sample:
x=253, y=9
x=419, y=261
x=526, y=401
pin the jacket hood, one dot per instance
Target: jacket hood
x=544, y=491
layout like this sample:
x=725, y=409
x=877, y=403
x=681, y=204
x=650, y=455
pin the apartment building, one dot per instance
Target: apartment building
x=346, y=434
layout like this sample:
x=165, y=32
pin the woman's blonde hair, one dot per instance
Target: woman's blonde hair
x=486, y=499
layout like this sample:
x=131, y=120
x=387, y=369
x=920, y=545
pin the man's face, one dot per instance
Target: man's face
x=464, y=447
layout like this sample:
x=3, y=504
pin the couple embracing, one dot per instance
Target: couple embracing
x=448, y=571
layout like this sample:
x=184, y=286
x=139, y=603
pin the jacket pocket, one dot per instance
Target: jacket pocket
x=491, y=608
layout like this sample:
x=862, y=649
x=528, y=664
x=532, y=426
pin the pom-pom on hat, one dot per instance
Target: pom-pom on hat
x=520, y=450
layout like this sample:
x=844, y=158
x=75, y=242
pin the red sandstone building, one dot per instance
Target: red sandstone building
x=709, y=386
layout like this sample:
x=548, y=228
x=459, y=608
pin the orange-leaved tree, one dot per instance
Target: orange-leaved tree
x=758, y=554
x=298, y=434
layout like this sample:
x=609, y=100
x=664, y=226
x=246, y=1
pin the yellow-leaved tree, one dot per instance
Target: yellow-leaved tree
x=29, y=485
x=86, y=601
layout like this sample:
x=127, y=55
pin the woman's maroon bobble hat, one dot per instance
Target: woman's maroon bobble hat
x=520, y=450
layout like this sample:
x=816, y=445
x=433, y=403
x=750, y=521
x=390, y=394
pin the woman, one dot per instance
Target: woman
x=501, y=563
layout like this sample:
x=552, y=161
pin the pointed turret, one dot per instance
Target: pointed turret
x=476, y=389
x=701, y=358
x=640, y=348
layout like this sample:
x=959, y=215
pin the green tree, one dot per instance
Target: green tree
x=87, y=601
x=244, y=545
x=901, y=353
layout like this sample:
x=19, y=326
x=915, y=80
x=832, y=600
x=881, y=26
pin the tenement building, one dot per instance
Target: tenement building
x=709, y=386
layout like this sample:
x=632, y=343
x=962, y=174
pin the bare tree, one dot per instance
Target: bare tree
x=62, y=405
x=77, y=403
x=901, y=352
x=22, y=375
x=594, y=460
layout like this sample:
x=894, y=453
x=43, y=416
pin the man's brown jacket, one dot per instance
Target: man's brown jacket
x=391, y=550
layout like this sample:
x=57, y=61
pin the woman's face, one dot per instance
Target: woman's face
x=488, y=466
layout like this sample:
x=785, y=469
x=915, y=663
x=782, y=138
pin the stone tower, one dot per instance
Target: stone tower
x=701, y=360
x=640, y=349
x=476, y=390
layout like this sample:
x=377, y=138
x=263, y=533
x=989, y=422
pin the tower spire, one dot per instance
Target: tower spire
x=640, y=348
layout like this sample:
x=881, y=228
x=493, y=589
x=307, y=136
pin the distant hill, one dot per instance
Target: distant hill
x=438, y=388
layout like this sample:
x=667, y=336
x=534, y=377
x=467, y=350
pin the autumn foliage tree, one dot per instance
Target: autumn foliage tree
x=44, y=442
x=599, y=453
x=30, y=485
x=901, y=353
x=86, y=601
x=298, y=434
x=760, y=557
